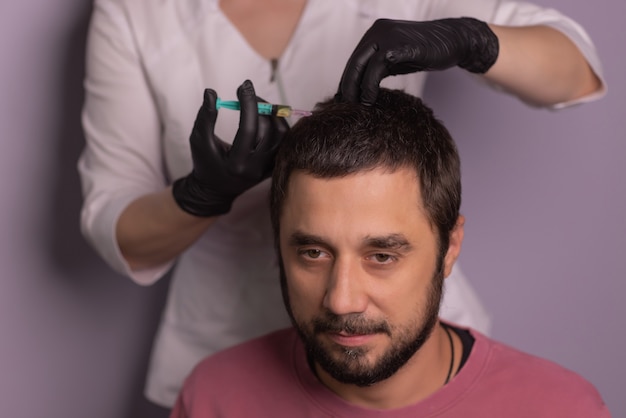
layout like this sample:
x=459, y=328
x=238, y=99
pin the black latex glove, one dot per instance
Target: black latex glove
x=222, y=172
x=393, y=47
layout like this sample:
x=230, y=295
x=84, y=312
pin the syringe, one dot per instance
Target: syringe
x=282, y=111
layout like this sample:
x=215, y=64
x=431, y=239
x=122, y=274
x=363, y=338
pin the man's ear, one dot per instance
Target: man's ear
x=454, y=248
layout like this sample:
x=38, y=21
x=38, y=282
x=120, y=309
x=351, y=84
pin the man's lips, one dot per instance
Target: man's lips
x=350, y=340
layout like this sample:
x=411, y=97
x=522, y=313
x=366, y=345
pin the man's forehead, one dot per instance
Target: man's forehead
x=380, y=193
x=302, y=182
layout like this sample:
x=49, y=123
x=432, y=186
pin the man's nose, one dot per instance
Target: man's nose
x=346, y=291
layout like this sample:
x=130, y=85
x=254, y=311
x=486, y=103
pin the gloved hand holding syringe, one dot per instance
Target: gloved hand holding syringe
x=282, y=111
x=223, y=170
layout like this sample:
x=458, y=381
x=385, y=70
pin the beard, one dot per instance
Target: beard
x=350, y=365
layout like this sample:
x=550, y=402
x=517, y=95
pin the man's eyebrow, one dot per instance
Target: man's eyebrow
x=386, y=242
x=301, y=238
x=389, y=242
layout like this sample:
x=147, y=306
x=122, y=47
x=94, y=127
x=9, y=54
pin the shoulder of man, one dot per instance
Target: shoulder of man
x=257, y=368
x=542, y=385
x=268, y=353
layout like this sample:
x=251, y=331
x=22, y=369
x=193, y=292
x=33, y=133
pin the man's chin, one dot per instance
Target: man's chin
x=352, y=374
x=348, y=365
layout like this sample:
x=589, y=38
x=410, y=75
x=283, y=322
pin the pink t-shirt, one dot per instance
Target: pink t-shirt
x=270, y=377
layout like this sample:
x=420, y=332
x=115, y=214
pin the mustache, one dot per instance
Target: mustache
x=349, y=324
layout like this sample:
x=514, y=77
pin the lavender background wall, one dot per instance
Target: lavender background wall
x=545, y=200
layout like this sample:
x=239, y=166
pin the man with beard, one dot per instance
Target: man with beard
x=365, y=208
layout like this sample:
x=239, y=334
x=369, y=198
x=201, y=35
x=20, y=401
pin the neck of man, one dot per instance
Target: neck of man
x=424, y=374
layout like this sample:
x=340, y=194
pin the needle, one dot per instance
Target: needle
x=282, y=111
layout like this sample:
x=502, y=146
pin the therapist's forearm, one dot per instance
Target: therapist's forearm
x=541, y=65
x=153, y=230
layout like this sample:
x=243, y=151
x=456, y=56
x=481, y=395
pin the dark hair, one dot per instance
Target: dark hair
x=398, y=131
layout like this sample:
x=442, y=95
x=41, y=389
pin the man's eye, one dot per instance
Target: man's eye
x=383, y=258
x=311, y=253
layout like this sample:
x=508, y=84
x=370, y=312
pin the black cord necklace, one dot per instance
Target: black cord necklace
x=451, y=355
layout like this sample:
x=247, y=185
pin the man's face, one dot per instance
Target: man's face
x=360, y=271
